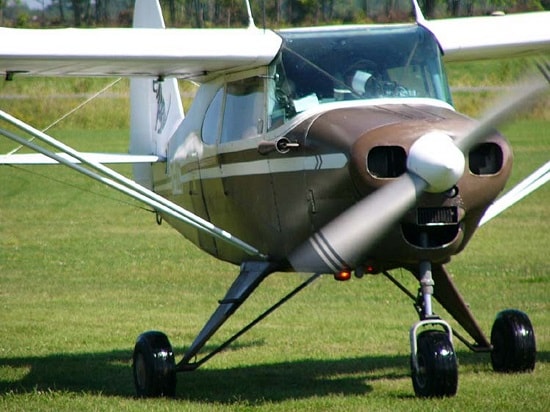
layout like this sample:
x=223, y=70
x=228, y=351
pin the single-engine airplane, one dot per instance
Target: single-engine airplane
x=328, y=150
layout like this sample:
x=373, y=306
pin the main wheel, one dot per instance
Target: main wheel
x=513, y=340
x=437, y=372
x=154, y=366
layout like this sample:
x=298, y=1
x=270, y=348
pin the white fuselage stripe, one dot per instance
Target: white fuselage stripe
x=266, y=166
x=261, y=167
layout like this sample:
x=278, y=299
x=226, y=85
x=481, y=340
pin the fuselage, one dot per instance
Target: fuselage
x=273, y=154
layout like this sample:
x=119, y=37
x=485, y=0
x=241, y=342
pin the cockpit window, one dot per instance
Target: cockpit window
x=327, y=65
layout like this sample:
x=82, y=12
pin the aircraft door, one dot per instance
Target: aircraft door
x=287, y=163
x=291, y=197
x=236, y=178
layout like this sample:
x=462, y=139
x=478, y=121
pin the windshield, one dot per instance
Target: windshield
x=318, y=66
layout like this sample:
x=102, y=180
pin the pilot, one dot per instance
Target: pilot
x=365, y=84
x=362, y=79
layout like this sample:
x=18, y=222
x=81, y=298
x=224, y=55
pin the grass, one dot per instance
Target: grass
x=82, y=273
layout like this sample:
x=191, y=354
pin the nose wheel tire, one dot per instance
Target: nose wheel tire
x=437, y=371
x=513, y=340
x=154, y=366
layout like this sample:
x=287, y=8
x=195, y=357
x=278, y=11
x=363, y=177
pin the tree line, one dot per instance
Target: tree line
x=232, y=13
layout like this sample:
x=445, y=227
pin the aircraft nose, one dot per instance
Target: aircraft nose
x=386, y=153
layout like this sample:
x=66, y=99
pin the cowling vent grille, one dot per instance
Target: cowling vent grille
x=436, y=216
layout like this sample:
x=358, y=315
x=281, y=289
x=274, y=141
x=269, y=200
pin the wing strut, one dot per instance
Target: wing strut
x=250, y=277
x=531, y=183
x=119, y=182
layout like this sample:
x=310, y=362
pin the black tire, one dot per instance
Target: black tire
x=437, y=373
x=513, y=340
x=154, y=366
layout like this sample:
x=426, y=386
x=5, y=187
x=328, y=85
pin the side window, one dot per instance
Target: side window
x=244, y=111
x=280, y=107
x=211, y=123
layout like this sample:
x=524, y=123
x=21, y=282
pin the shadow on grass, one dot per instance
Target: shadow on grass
x=110, y=374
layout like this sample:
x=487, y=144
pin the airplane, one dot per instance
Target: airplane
x=325, y=150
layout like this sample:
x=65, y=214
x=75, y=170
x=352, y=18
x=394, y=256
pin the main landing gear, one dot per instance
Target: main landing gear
x=154, y=367
x=513, y=341
x=434, y=364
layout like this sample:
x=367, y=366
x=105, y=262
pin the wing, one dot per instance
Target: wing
x=490, y=37
x=183, y=53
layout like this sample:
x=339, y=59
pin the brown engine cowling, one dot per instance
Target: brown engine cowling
x=441, y=223
x=379, y=139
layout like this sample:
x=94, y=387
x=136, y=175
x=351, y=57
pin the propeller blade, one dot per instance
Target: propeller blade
x=346, y=239
x=516, y=100
x=338, y=244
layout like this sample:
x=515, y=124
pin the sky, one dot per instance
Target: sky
x=37, y=4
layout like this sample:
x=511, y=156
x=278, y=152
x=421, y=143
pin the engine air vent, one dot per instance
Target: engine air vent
x=436, y=216
x=485, y=159
x=387, y=161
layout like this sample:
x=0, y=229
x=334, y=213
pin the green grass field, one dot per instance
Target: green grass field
x=83, y=272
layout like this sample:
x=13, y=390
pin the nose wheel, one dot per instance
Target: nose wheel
x=434, y=365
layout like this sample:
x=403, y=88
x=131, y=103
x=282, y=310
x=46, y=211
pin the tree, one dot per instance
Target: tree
x=77, y=12
x=429, y=8
x=2, y=4
x=101, y=15
x=61, y=11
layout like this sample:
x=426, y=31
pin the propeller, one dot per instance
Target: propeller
x=435, y=164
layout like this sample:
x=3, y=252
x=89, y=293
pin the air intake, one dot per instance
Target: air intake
x=436, y=216
x=387, y=161
x=485, y=159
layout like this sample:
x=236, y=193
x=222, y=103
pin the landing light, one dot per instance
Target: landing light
x=344, y=274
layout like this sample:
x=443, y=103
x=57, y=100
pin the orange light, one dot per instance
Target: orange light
x=371, y=267
x=344, y=274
